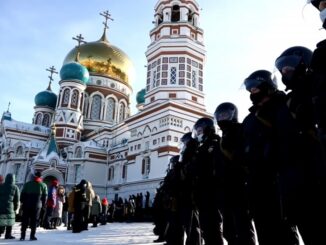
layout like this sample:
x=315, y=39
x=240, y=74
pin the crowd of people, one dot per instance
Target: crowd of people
x=50, y=206
x=265, y=175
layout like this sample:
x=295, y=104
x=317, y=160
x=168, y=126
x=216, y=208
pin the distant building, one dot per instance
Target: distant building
x=87, y=132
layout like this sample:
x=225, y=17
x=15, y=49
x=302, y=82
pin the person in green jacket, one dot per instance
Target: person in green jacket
x=33, y=199
x=9, y=200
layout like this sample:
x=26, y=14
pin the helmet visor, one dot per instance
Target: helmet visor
x=251, y=83
x=290, y=60
x=227, y=115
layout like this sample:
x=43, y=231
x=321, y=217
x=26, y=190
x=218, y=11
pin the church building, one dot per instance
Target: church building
x=86, y=130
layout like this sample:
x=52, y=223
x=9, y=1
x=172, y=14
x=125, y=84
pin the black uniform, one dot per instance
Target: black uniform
x=187, y=208
x=269, y=150
x=315, y=168
x=209, y=189
x=237, y=221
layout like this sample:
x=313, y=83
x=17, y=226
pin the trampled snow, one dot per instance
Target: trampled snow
x=111, y=233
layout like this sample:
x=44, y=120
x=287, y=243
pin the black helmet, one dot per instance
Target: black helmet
x=173, y=161
x=315, y=3
x=226, y=112
x=186, y=138
x=293, y=57
x=204, y=126
x=256, y=79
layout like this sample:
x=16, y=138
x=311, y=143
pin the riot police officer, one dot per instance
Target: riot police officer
x=209, y=181
x=269, y=155
x=188, y=210
x=237, y=222
x=308, y=210
x=318, y=70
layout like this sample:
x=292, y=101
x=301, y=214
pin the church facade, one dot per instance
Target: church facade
x=86, y=131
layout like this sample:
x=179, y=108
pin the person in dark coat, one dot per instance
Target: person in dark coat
x=96, y=210
x=209, y=178
x=33, y=199
x=308, y=208
x=269, y=152
x=237, y=222
x=187, y=208
x=9, y=199
x=80, y=207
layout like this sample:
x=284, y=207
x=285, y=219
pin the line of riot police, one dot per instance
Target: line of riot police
x=268, y=172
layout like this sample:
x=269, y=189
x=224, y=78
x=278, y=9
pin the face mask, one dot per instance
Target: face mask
x=256, y=98
x=180, y=157
x=322, y=15
x=225, y=125
x=200, y=138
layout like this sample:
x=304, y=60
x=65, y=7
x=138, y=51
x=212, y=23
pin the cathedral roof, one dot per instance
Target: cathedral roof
x=103, y=58
x=140, y=97
x=53, y=147
x=75, y=71
x=46, y=98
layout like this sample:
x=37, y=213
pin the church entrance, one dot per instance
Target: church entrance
x=48, y=180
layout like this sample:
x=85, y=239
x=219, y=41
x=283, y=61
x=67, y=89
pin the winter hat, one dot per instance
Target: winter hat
x=38, y=174
x=55, y=182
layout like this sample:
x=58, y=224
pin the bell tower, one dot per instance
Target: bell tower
x=176, y=55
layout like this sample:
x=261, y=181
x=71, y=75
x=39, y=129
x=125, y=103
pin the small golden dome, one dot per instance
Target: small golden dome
x=103, y=58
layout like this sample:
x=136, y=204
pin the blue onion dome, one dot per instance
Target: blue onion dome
x=74, y=71
x=140, y=97
x=46, y=98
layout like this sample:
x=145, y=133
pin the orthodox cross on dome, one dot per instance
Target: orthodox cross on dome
x=80, y=39
x=107, y=17
x=8, y=106
x=52, y=71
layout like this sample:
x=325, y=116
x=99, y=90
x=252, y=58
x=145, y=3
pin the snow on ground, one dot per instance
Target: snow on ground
x=112, y=233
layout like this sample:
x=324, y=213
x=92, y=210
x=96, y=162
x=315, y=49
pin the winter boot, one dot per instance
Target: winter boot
x=32, y=236
x=8, y=233
x=22, y=235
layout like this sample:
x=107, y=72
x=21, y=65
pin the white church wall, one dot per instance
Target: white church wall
x=95, y=173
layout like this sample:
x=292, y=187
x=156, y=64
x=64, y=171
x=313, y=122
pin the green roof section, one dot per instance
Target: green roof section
x=53, y=147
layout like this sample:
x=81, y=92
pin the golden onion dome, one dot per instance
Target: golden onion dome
x=103, y=58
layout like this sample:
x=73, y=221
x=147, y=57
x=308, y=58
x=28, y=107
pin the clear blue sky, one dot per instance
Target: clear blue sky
x=240, y=37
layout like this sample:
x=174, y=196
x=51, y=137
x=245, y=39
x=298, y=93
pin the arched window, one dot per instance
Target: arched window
x=86, y=101
x=111, y=173
x=124, y=172
x=74, y=99
x=96, y=107
x=66, y=97
x=146, y=166
x=78, y=152
x=16, y=169
x=19, y=151
x=110, y=110
x=46, y=120
x=122, y=110
x=38, y=120
x=175, y=13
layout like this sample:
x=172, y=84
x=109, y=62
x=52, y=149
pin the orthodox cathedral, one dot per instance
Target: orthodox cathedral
x=86, y=131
